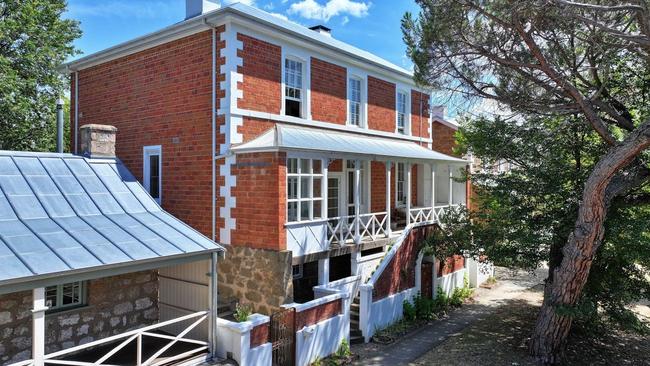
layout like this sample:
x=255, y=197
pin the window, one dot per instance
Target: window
x=354, y=99
x=351, y=189
x=293, y=88
x=152, y=175
x=304, y=189
x=68, y=295
x=401, y=184
x=401, y=112
x=333, y=197
x=297, y=271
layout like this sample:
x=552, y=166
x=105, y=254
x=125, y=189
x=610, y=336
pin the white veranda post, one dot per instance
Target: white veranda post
x=214, y=305
x=388, y=165
x=38, y=335
x=408, y=194
x=357, y=199
x=451, y=185
x=433, y=187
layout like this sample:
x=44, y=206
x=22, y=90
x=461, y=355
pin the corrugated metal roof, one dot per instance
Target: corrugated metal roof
x=60, y=212
x=287, y=138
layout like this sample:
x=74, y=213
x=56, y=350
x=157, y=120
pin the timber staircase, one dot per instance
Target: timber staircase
x=356, y=337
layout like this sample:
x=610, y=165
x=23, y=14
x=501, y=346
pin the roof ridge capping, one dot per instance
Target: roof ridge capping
x=195, y=24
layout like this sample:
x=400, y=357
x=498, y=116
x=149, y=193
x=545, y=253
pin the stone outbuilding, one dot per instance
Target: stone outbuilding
x=91, y=267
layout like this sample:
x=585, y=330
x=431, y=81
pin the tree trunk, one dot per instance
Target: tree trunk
x=552, y=329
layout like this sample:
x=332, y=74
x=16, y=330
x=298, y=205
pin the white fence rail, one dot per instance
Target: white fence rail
x=135, y=336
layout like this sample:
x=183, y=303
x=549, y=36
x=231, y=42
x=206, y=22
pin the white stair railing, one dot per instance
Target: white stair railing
x=131, y=336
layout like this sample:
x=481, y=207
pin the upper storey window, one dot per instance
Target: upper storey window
x=402, y=99
x=354, y=100
x=293, y=90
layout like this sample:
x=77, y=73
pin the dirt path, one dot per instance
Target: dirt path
x=511, y=284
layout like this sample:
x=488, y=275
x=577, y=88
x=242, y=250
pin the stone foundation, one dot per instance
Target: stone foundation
x=261, y=278
x=115, y=305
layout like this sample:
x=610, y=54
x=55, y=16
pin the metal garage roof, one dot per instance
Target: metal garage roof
x=61, y=213
x=342, y=144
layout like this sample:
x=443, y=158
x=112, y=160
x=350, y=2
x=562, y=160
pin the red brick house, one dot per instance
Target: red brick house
x=305, y=156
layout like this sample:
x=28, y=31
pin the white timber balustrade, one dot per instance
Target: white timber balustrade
x=124, y=339
x=357, y=228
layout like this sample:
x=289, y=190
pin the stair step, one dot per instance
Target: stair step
x=355, y=333
x=356, y=301
x=357, y=340
x=354, y=316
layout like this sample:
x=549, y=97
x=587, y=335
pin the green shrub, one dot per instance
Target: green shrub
x=409, y=311
x=344, y=349
x=441, y=302
x=423, y=308
x=242, y=312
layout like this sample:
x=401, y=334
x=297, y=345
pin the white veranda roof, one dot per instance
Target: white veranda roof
x=340, y=144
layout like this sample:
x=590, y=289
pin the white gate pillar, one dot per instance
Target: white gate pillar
x=388, y=232
x=323, y=271
x=38, y=331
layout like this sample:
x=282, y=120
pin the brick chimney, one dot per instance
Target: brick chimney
x=97, y=140
x=195, y=8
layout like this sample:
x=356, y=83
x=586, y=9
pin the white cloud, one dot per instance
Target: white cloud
x=310, y=9
x=345, y=20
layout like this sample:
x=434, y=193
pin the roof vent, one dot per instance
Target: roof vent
x=322, y=30
x=195, y=8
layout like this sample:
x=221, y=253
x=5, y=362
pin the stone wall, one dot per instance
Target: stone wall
x=261, y=278
x=115, y=305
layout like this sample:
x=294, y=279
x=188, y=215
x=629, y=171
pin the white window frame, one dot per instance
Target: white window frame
x=362, y=100
x=83, y=297
x=310, y=199
x=397, y=169
x=148, y=151
x=304, y=95
x=407, y=112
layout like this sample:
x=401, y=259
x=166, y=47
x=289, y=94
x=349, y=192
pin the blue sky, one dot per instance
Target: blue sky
x=370, y=25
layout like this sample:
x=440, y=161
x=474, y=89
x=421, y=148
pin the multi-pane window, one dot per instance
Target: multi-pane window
x=355, y=101
x=333, y=197
x=65, y=296
x=401, y=184
x=401, y=112
x=293, y=87
x=152, y=177
x=304, y=189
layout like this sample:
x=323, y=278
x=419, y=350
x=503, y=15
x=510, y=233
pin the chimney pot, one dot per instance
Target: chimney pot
x=97, y=140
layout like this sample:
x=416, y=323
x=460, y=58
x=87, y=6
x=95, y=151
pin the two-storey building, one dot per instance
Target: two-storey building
x=305, y=156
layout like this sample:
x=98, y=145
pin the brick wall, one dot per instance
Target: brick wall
x=419, y=123
x=259, y=335
x=381, y=105
x=378, y=186
x=399, y=274
x=328, y=92
x=443, y=138
x=161, y=96
x=450, y=265
x=262, y=71
x=115, y=305
x=260, y=194
x=318, y=313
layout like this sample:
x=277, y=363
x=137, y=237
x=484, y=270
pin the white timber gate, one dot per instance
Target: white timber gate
x=184, y=289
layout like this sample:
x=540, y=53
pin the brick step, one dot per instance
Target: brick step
x=354, y=324
x=356, y=340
